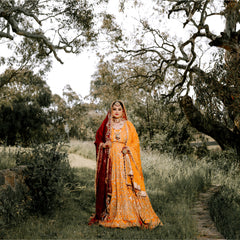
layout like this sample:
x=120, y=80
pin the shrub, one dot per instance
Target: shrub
x=224, y=160
x=47, y=171
x=13, y=205
x=225, y=210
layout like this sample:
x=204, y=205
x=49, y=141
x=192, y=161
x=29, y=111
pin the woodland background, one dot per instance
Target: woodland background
x=177, y=83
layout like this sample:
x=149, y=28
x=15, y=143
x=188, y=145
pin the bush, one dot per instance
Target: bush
x=47, y=172
x=225, y=210
x=174, y=142
x=225, y=205
x=13, y=205
x=224, y=160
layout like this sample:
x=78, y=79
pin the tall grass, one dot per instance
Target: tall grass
x=172, y=186
x=7, y=157
x=83, y=148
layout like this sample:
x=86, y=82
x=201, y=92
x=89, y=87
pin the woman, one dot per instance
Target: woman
x=121, y=198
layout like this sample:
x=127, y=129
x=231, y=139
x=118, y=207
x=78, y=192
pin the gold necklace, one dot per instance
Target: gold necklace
x=117, y=126
x=116, y=120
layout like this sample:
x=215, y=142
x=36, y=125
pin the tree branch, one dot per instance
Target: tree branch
x=36, y=36
x=6, y=35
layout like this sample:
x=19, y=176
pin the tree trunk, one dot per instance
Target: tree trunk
x=223, y=136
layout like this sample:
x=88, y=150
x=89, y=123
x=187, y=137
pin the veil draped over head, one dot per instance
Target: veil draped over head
x=103, y=173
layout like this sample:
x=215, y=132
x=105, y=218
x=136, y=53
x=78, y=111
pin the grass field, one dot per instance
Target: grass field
x=70, y=221
x=172, y=185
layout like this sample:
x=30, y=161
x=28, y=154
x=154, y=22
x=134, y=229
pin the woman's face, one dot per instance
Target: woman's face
x=117, y=111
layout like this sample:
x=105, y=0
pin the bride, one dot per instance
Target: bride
x=121, y=198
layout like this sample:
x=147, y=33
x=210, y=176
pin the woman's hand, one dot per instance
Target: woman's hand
x=107, y=144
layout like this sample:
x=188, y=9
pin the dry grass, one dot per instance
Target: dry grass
x=85, y=149
x=8, y=157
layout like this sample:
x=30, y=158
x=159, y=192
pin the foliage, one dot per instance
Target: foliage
x=225, y=210
x=224, y=160
x=170, y=131
x=7, y=157
x=160, y=124
x=47, y=172
x=72, y=117
x=37, y=30
x=75, y=113
x=23, y=103
x=13, y=205
x=29, y=113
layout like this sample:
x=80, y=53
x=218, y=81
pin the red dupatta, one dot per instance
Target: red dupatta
x=103, y=171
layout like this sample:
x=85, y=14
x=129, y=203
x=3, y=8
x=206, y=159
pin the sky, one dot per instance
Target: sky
x=76, y=71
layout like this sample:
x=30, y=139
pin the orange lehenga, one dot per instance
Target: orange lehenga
x=121, y=198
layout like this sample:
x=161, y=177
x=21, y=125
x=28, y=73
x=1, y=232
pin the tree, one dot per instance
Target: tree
x=34, y=31
x=23, y=109
x=71, y=113
x=75, y=112
x=206, y=86
x=57, y=111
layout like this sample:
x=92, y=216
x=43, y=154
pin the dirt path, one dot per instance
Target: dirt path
x=78, y=161
x=205, y=225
